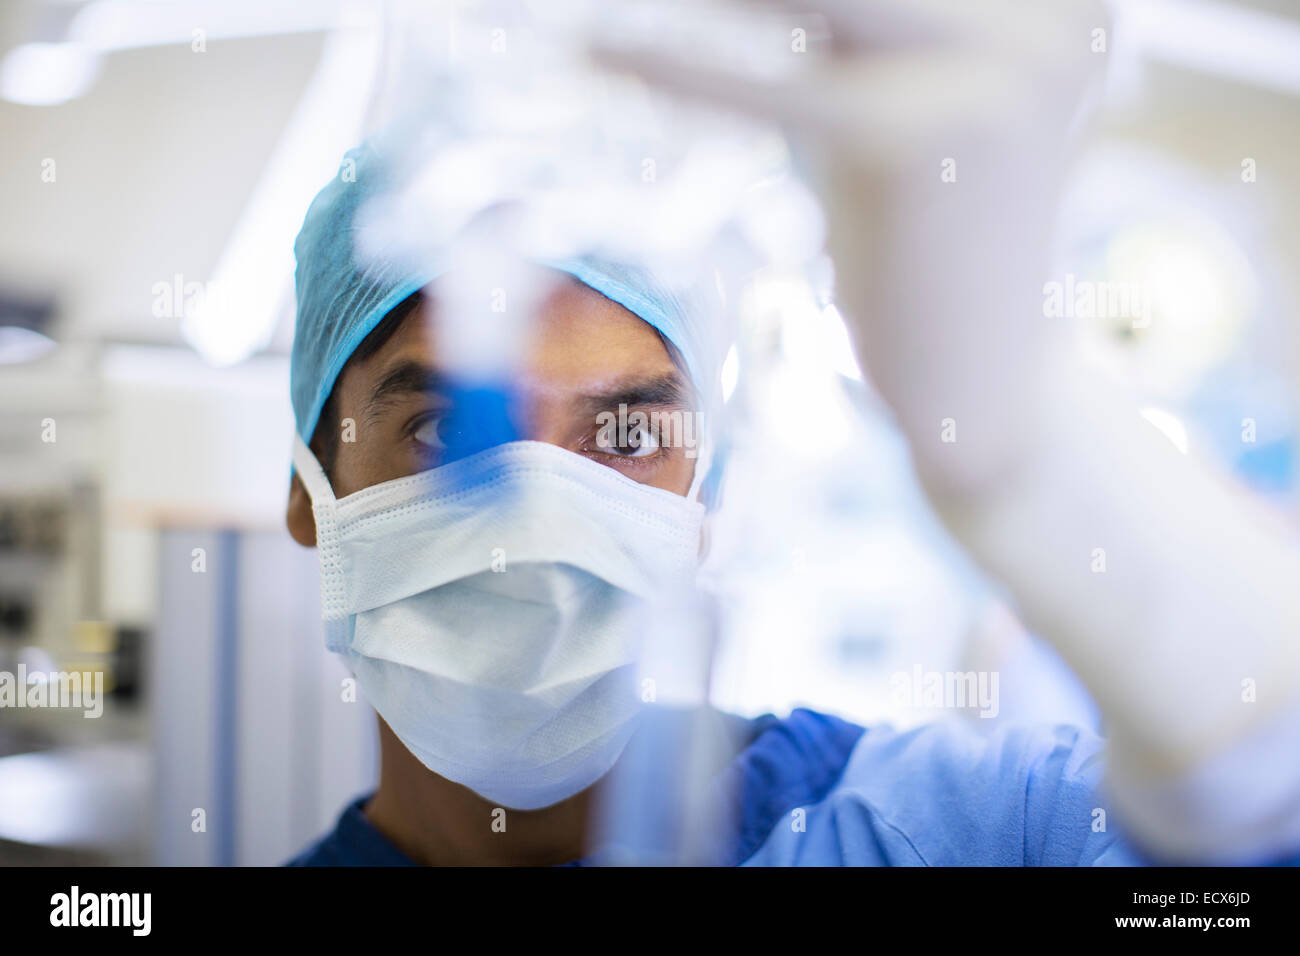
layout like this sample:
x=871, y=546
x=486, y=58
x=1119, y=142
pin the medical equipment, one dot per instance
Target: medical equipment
x=1172, y=597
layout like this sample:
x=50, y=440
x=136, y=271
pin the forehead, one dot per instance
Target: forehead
x=577, y=338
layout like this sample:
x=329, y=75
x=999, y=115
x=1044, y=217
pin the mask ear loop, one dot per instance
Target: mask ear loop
x=311, y=473
x=709, y=485
x=703, y=464
x=706, y=483
x=333, y=593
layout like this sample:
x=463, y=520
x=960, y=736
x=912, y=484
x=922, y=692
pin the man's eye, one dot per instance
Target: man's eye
x=431, y=431
x=641, y=443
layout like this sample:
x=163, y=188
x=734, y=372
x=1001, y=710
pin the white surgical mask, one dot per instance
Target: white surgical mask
x=492, y=609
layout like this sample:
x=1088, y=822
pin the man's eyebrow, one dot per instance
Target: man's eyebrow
x=663, y=390
x=404, y=378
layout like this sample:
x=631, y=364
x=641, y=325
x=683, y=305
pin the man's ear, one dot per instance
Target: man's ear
x=298, y=516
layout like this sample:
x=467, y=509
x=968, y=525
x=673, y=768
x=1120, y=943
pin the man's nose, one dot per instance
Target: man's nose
x=486, y=416
x=543, y=415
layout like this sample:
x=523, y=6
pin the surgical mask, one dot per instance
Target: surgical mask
x=492, y=609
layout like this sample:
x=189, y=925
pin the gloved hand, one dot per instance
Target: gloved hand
x=937, y=134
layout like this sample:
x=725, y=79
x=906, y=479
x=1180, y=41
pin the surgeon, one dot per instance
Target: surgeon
x=486, y=572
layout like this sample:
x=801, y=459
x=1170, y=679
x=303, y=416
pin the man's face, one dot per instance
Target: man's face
x=587, y=356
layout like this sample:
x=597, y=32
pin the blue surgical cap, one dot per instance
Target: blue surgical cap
x=342, y=296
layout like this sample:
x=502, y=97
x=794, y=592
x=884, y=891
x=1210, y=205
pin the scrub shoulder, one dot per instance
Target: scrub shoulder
x=947, y=794
x=815, y=790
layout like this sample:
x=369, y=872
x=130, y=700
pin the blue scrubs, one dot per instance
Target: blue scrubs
x=815, y=790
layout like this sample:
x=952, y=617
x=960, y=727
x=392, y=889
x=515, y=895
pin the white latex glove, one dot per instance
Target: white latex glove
x=941, y=283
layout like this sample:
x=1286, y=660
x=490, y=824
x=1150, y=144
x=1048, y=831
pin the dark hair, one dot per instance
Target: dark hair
x=326, y=437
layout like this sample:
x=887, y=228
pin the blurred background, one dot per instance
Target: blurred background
x=157, y=160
